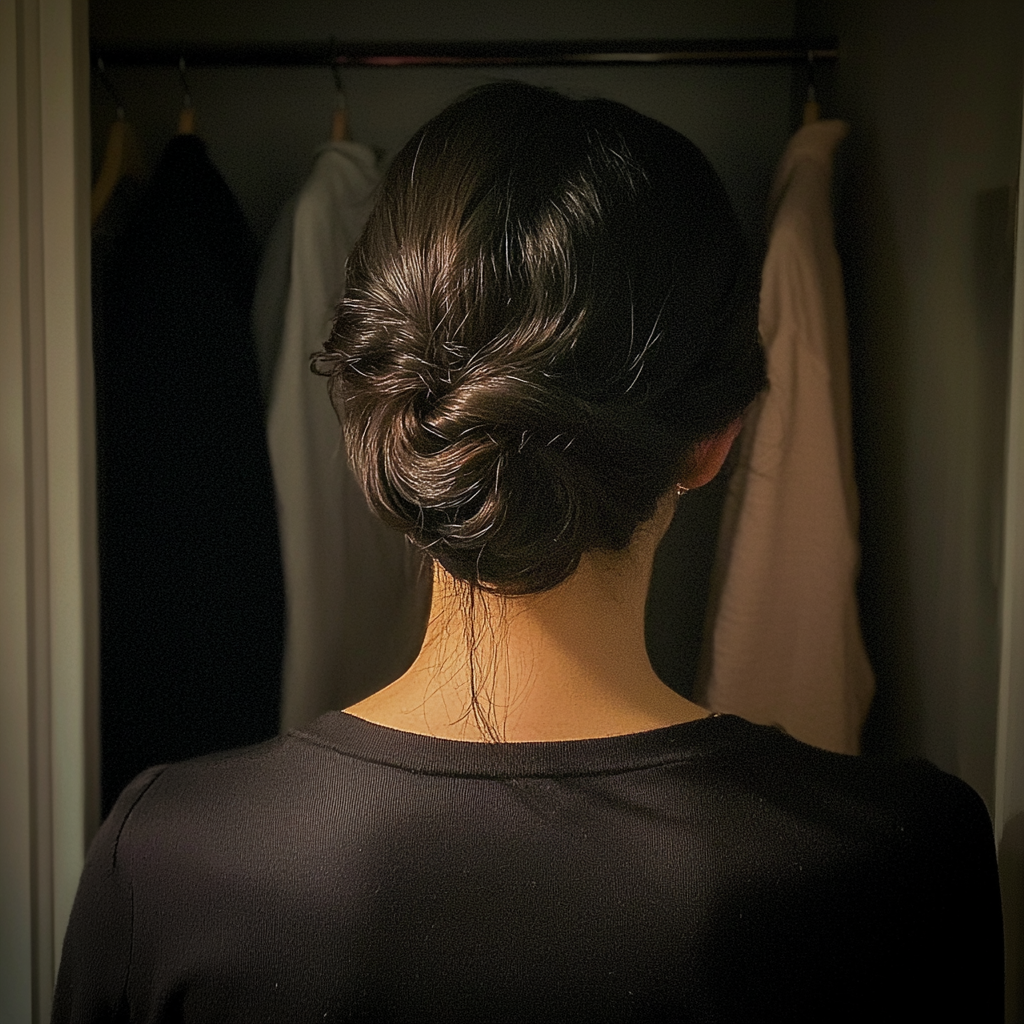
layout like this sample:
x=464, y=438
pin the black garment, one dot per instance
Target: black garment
x=192, y=593
x=712, y=871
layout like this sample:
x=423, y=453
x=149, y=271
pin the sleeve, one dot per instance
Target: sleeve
x=93, y=973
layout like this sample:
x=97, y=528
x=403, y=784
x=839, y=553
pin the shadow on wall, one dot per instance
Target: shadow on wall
x=995, y=227
x=879, y=375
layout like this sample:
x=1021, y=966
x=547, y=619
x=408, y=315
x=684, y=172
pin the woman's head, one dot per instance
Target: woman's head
x=550, y=307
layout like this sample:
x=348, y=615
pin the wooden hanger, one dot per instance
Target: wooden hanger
x=339, y=120
x=339, y=125
x=122, y=157
x=812, y=108
x=187, y=117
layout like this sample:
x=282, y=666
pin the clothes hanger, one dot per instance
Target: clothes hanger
x=187, y=117
x=812, y=108
x=122, y=156
x=339, y=120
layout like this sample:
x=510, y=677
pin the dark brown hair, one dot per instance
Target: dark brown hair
x=550, y=306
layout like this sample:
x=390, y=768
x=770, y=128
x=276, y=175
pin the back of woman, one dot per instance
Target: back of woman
x=548, y=337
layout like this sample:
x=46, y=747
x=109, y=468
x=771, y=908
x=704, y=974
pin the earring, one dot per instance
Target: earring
x=681, y=490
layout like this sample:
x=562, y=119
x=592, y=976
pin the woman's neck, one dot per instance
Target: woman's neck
x=570, y=663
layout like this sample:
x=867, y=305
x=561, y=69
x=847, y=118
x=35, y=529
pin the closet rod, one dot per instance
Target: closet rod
x=511, y=54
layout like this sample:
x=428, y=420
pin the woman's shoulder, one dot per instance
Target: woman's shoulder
x=769, y=756
x=904, y=798
x=228, y=789
x=752, y=776
x=726, y=754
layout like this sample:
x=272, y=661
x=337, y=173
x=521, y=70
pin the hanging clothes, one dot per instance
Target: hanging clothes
x=270, y=302
x=191, y=585
x=357, y=592
x=107, y=238
x=783, y=643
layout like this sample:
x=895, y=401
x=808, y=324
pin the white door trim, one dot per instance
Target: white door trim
x=48, y=578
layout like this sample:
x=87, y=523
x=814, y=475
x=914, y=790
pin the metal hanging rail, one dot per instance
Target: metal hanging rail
x=622, y=52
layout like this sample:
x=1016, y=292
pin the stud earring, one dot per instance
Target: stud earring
x=681, y=490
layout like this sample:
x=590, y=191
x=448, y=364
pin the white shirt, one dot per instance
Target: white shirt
x=784, y=645
x=356, y=597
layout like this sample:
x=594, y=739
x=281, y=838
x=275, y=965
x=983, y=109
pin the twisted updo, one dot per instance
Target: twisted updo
x=550, y=306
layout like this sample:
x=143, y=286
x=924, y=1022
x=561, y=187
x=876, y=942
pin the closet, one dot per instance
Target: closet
x=922, y=232
x=925, y=205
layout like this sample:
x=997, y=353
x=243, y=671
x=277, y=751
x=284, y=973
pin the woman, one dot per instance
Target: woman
x=549, y=336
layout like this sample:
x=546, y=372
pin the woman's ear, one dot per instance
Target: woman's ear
x=707, y=458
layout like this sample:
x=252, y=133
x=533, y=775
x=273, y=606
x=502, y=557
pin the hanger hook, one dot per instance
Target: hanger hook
x=187, y=98
x=339, y=85
x=101, y=68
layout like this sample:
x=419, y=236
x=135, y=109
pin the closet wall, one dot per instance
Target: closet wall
x=925, y=227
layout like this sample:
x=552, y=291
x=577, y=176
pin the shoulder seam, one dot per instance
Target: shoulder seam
x=156, y=772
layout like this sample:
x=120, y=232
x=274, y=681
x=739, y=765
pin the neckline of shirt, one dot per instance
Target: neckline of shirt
x=367, y=741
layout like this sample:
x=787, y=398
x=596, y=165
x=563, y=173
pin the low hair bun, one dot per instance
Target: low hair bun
x=549, y=307
x=478, y=470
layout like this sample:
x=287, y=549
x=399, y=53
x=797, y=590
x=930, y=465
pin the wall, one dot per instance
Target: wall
x=410, y=20
x=932, y=91
x=925, y=214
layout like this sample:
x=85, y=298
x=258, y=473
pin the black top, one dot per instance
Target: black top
x=711, y=871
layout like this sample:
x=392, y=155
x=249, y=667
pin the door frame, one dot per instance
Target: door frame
x=48, y=563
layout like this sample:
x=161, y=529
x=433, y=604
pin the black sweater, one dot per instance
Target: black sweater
x=711, y=871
